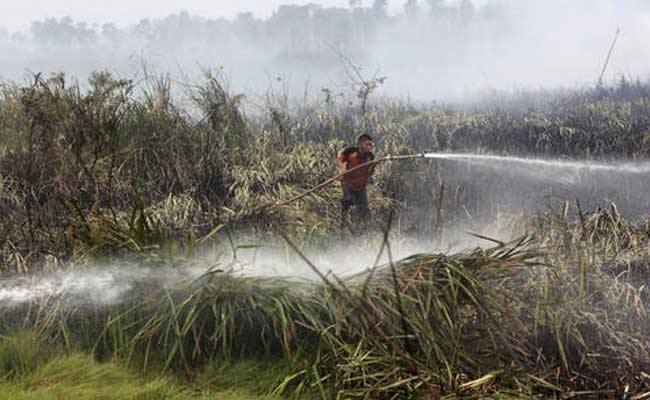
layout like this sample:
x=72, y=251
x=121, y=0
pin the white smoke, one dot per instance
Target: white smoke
x=497, y=44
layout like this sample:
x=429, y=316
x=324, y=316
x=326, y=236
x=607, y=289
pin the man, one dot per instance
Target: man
x=354, y=183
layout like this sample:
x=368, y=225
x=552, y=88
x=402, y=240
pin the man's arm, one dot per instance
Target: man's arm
x=341, y=162
x=372, y=167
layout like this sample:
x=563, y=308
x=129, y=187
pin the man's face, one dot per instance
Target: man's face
x=365, y=146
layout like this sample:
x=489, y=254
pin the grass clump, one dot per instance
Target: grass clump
x=78, y=376
x=254, y=376
x=22, y=352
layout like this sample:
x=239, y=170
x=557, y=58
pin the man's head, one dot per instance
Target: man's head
x=365, y=143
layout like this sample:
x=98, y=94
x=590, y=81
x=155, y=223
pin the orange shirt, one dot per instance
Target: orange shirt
x=358, y=179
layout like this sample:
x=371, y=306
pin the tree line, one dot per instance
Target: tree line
x=295, y=32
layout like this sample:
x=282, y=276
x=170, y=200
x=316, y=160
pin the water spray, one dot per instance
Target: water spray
x=100, y=285
x=587, y=166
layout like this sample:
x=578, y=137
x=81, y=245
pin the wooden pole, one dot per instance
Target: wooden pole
x=609, y=54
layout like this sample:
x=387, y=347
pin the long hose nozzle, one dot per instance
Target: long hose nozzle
x=402, y=157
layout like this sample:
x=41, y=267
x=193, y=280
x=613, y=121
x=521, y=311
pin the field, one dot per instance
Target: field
x=522, y=286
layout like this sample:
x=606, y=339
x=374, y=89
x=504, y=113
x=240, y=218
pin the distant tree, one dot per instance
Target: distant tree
x=467, y=11
x=436, y=7
x=109, y=29
x=493, y=11
x=18, y=37
x=291, y=29
x=64, y=32
x=110, y=33
x=334, y=26
x=412, y=8
x=245, y=27
x=144, y=30
x=177, y=28
x=83, y=34
x=379, y=8
x=48, y=31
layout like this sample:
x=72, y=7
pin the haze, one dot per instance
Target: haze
x=427, y=49
x=19, y=15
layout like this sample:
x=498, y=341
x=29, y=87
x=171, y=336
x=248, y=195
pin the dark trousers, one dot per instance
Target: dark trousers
x=354, y=198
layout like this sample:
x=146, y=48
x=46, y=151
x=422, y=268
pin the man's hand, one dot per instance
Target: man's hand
x=341, y=171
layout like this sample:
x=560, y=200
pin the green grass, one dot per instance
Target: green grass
x=78, y=376
x=256, y=376
x=31, y=367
